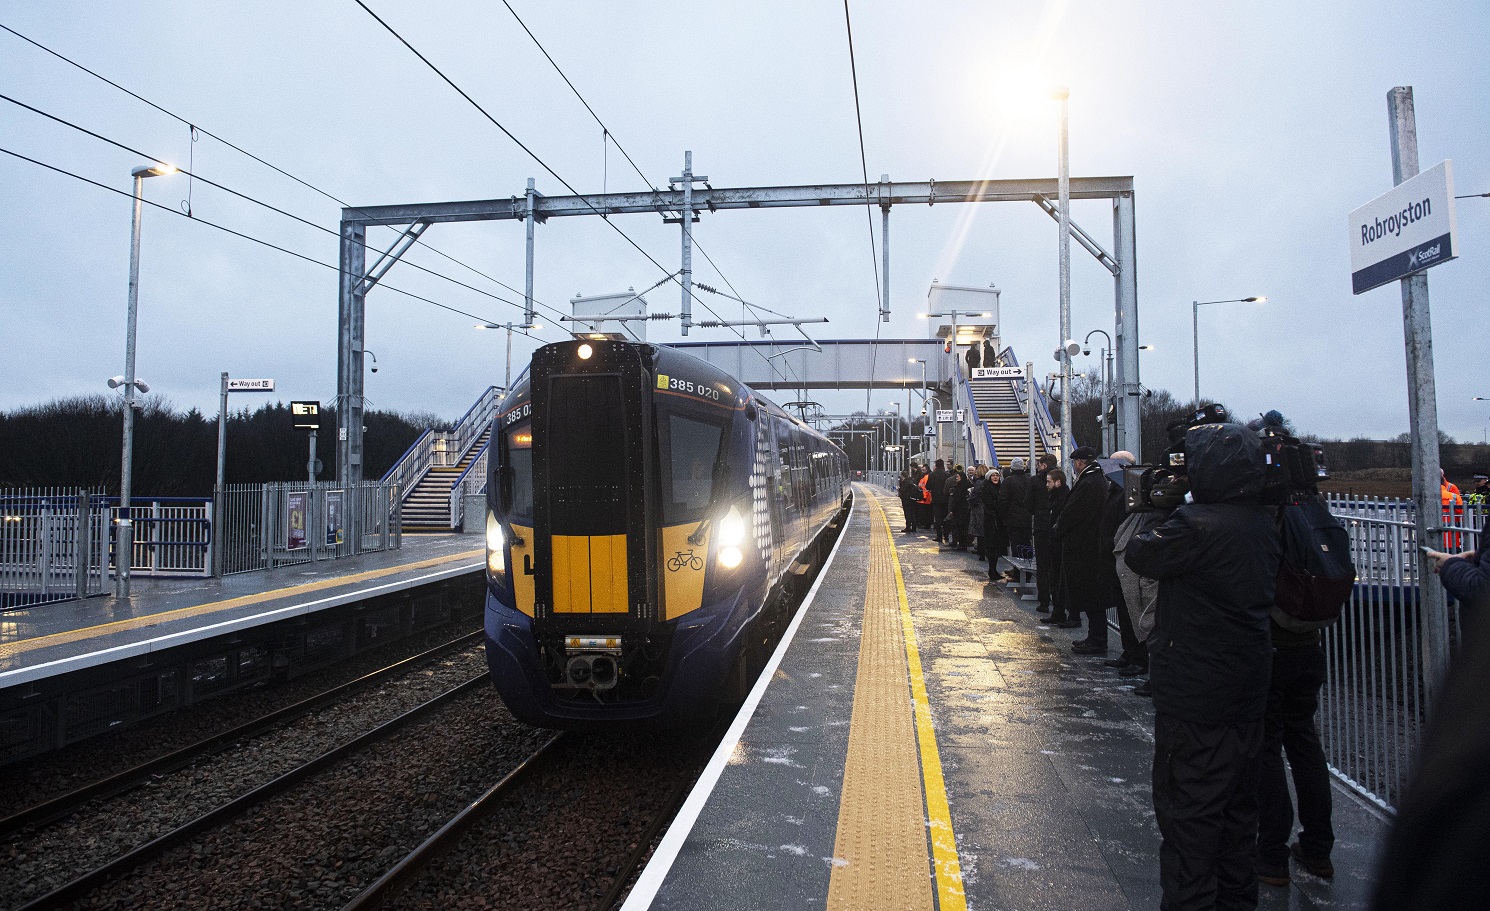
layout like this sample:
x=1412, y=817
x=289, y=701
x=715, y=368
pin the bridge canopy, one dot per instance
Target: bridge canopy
x=840, y=364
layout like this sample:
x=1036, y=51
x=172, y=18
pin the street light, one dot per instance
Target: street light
x=1063, y=210
x=507, y=375
x=1106, y=357
x=125, y=536
x=1195, y=330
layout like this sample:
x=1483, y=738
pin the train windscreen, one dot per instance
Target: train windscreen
x=518, y=456
x=586, y=456
x=690, y=447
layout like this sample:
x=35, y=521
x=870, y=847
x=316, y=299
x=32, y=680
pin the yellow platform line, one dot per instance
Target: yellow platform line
x=950, y=895
x=880, y=857
x=87, y=632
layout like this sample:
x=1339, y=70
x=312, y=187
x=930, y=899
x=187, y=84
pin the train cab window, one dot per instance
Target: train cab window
x=690, y=450
x=517, y=474
x=585, y=456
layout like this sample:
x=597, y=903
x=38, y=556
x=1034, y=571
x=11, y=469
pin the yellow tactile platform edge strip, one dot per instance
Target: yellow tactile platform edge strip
x=25, y=645
x=950, y=895
x=881, y=858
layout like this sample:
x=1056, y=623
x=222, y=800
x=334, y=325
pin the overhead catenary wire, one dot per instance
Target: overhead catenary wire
x=249, y=237
x=273, y=167
x=534, y=155
x=244, y=196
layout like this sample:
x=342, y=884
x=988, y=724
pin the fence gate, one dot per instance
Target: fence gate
x=53, y=545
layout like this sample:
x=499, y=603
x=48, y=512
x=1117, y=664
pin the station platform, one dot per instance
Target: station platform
x=62, y=637
x=920, y=740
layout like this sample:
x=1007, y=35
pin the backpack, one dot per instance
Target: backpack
x=1316, y=574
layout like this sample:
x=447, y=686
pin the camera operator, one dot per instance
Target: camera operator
x=1216, y=560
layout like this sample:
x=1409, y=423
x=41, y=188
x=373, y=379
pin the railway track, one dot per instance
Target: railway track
x=113, y=785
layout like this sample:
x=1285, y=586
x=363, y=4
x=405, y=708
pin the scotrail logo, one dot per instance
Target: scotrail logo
x=1423, y=257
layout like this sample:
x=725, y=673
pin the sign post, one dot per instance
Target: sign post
x=1398, y=236
x=219, y=498
x=307, y=416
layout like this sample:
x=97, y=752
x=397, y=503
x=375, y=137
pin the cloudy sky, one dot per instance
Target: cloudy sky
x=1251, y=130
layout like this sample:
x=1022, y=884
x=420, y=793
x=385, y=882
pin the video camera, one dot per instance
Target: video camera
x=1293, y=468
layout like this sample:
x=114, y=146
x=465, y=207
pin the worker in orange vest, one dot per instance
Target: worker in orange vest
x=1453, y=511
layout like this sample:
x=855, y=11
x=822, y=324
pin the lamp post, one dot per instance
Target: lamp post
x=1105, y=355
x=925, y=399
x=1063, y=192
x=952, y=343
x=125, y=537
x=520, y=327
x=1195, y=330
x=1485, y=434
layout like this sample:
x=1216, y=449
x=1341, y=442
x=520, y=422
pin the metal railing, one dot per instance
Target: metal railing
x=1045, y=427
x=472, y=482
x=444, y=449
x=269, y=525
x=173, y=535
x=1373, y=704
x=53, y=545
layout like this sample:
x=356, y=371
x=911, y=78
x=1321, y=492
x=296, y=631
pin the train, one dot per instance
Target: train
x=648, y=520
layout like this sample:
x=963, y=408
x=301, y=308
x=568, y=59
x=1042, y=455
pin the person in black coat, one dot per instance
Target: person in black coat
x=994, y=536
x=909, y=494
x=1075, y=533
x=936, y=485
x=1056, y=494
x=1038, y=501
x=973, y=359
x=1015, y=495
x=1210, y=662
x=957, y=507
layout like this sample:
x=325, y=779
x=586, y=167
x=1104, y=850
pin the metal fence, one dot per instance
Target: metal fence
x=269, y=525
x=53, y=545
x=1373, y=705
x=173, y=535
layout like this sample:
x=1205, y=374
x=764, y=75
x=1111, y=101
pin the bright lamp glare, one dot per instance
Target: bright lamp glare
x=585, y=351
x=730, y=557
x=496, y=542
x=732, y=528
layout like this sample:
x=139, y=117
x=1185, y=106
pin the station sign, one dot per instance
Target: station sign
x=944, y=415
x=250, y=385
x=1406, y=230
x=998, y=373
x=961, y=415
x=306, y=415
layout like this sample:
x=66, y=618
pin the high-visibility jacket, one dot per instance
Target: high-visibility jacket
x=1453, y=514
x=925, y=494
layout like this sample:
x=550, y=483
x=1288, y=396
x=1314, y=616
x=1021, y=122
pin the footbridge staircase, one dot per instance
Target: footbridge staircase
x=441, y=466
x=997, y=411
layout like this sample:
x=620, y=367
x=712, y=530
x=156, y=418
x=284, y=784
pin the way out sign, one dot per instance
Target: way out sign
x=1407, y=230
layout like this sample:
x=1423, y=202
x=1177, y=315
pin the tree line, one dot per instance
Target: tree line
x=78, y=442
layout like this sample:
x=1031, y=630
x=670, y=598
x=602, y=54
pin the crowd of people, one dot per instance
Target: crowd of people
x=1193, y=590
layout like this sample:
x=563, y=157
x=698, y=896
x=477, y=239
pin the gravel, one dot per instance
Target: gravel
x=32, y=864
x=561, y=841
x=52, y=774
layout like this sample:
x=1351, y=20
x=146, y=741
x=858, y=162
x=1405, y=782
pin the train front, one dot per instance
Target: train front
x=625, y=537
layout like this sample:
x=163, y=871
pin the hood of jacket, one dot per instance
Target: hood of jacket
x=1225, y=463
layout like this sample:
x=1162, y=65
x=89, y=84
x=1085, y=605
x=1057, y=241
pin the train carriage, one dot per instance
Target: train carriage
x=646, y=514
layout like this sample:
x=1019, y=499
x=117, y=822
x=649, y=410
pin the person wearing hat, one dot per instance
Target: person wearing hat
x=1014, y=507
x=1480, y=496
x=1075, y=533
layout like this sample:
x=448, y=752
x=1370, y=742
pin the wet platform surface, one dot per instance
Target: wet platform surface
x=1045, y=759
x=64, y=636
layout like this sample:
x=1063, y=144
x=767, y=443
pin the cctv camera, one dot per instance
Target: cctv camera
x=1086, y=352
x=375, y=368
x=142, y=385
x=115, y=382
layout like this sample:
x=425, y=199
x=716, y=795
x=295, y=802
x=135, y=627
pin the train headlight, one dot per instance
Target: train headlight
x=496, y=546
x=731, y=536
x=585, y=351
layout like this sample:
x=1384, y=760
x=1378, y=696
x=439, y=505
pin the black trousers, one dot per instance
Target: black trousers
x=1096, y=627
x=1288, y=727
x=1046, y=556
x=908, y=506
x=1018, y=537
x=1205, y=800
x=939, y=519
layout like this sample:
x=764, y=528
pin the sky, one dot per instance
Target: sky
x=1251, y=132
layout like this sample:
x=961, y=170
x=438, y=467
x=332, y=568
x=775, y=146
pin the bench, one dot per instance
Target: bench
x=1023, y=565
